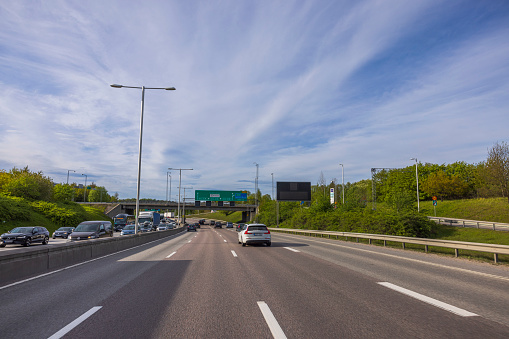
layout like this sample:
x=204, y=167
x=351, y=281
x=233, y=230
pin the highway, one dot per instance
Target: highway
x=205, y=285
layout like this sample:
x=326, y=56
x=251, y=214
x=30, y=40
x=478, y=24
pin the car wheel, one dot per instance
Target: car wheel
x=53, y=237
x=65, y=237
x=2, y=245
x=45, y=241
x=269, y=243
x=243, y=244
x=27, y=242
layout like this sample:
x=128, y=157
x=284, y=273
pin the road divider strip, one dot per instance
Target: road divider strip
x=75, y=323
x=234, y=254
x=275, y=329
x=292, y=249
x=434, y=302
x=171, y=255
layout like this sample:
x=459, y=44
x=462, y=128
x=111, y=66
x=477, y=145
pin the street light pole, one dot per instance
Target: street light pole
x=272, y=174
x=417, y=179
x=343, y=181
x=139, y=150
x=85, y=194
x=256, y=191
x=167, y=175
x=180, y=184
x=68, y=175
x=184, y=209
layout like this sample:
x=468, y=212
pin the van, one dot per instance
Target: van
x=92, y=230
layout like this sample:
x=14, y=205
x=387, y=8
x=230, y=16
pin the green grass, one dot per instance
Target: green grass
x=235, y=217
x=493, y=209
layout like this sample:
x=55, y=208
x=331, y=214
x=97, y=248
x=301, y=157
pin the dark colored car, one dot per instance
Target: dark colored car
x=218, y=225
x=229, y=225
x=92, y=230
x=201, y=221
x=212, y=222
x=240, y=227
x=191, y=227
x=25, y=236
x=63, y=232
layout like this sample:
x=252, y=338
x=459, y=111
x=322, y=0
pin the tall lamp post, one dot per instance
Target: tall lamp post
x=256, y=191
x=85, y=194
x=417, y=179
x=184, y=209
x=68, y=175
x=168, y=174
x=143, y=88
x=343, y=181
x=180, y=184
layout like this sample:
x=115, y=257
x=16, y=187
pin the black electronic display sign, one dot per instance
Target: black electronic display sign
x=293, y=191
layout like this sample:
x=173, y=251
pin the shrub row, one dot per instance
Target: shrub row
x=364, y=220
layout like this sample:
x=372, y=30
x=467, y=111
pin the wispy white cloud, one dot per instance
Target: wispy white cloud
x=297, y=86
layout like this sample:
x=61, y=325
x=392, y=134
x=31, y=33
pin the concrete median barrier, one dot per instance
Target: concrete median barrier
x=28, y=262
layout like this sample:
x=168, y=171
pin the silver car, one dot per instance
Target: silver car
x=255, y=234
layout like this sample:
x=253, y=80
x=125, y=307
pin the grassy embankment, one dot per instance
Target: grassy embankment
x=20, y=212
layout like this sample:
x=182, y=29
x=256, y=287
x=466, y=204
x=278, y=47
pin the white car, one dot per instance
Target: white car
x=162, y=227
x=255, y=234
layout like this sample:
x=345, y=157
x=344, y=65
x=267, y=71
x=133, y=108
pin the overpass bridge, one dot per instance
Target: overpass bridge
x=112, y=209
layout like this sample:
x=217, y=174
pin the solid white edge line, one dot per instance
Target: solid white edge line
x=234, y=254
x=171, y=254
x=434, y=302
x=225, y=240
x=274, y=327
x=292, y=249
x=75, y=323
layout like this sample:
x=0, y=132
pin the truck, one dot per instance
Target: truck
x=169, y=214
x=152, y=217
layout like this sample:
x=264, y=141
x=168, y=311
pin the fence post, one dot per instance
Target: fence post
x=456, y=252
x=495, y=255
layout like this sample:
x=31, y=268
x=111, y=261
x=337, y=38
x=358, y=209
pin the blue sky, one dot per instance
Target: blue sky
x=295, y=86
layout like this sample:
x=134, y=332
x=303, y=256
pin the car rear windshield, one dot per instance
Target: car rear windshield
x=257, y=228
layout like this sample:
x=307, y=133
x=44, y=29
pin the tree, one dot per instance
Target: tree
x=30, y=185
x=98, y=194
x=63, y=192
x=497, y=166
x=443, y=185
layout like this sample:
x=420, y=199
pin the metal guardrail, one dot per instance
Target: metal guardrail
x=496, y=226
x=456, y=245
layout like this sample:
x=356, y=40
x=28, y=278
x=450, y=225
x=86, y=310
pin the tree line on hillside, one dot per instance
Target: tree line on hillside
x=34, y=186
x=459, y=180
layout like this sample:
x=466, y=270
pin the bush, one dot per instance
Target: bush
x=363, y=220
x=60, y=216
x=13, y=208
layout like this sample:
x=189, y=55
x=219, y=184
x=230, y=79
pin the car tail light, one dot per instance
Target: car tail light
x=268, y=232
x=247, y=232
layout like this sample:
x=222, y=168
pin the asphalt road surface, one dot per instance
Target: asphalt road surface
x=205, y=285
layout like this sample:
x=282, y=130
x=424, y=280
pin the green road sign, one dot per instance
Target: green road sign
x=201, y=195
